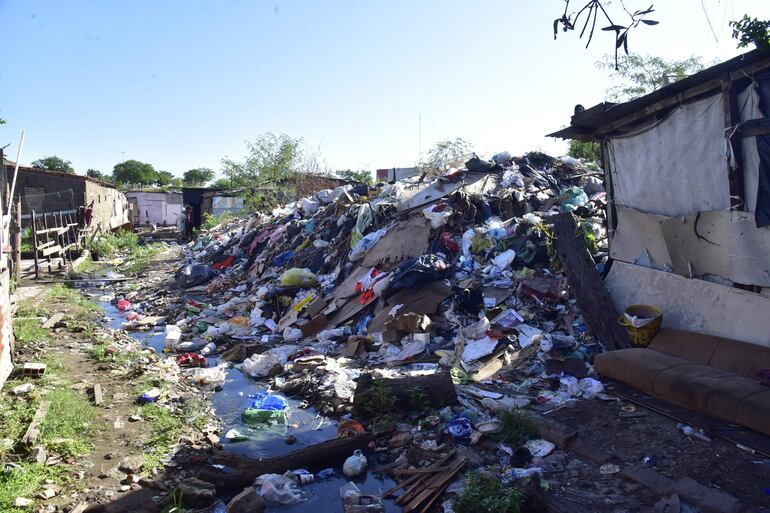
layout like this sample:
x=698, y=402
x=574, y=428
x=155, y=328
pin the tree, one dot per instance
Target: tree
x=198, y=176
x=54, y=163
x=268, y=170
x=445, y=154
x=165, y=178
x=751, y=31
x=221, y=183
x=589, y=150
x=94, y=173
x=357, y=176
x=134, y=172
x=643, y=74
x=595, y=9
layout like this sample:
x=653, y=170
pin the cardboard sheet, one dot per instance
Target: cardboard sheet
x=424, y=301
x=404, y=240
x=725, y=244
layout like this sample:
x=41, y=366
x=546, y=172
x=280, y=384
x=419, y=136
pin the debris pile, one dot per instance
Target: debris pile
x=432, y=309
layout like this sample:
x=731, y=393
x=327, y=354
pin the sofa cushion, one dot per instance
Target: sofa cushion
x=754, y=412
x=742, y=358
x=691, y=346
x=637, y=366
x=678, y=385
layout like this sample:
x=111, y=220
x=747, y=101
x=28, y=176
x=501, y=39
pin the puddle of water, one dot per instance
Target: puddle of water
x=228, y=404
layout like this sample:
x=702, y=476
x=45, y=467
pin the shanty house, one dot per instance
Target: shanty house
x=161, y=208
x=687, y=171
x=45, y=191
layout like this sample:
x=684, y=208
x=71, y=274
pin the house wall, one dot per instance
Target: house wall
x=676, y=243
x=110, y=206
x=160, y=208
x=43, y=192
x=223, y=204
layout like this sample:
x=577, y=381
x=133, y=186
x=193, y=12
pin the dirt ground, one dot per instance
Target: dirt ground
x=654, y=441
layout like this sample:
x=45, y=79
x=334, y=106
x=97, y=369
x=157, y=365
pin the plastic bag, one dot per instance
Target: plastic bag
x=266, y=409
x=354, y=501
x=363, y=221
x=211, y=377
x=590, y=387
x=124, y=305
x=355, y=464
x=173, y=335
x=296, y=277
x=192, y=275
x=364, y=245
x=291, y=334
x=309, y=206
x=505, y=258
x=278, y=489
x=576, y=197
x=438, y=215
x=259, y=365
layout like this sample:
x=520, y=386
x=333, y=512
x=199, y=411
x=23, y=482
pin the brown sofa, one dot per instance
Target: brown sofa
x=711, y=375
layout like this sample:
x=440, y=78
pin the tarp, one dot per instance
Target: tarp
x=675, y=166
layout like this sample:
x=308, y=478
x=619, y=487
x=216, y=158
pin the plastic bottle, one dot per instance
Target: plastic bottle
x=523, y=473
x=208, y=348
x=691, y=431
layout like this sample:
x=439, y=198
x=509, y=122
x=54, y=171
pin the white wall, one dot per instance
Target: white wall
x=161, y=208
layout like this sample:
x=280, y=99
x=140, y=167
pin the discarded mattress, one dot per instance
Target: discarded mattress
x=711, y=375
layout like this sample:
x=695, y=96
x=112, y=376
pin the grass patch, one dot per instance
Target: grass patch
x=28, y=331
x=98, y=352
x=87, y=266
x=139, y=258
x=517, y=428
x=487, y=494
x=83, y=307
x=136, y=256
x=25, y=481
x=68, y=423
x=31, y=308
x=210, y=220
x=165, y=430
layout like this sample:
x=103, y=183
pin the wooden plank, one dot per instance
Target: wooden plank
x=51, y=250
x=47, y=244
x=53, y=320
x=734, y=165
x=33, y=431
x=430, y=468
x=592, y=297
x=435, y=486
x=98, y=395
x=34, y=245
x=755, y=127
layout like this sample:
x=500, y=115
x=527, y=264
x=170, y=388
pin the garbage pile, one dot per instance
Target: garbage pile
x=449, y=275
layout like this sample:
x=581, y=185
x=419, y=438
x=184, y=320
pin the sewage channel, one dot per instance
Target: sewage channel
x=308, y=426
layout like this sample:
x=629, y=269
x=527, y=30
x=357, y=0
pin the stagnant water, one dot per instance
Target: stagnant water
x=233, y=398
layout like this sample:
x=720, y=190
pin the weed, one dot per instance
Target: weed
x=517, y=427
x=418, y=401
x=31, y=308
x=29, y=331
x=379, y=401
x=210, y=220
x=67, y=425
x=25, y=481
x=98, y=352
x=175, y=503
x=84, y=308
x=139, y=258
x=165, y=429
x=487, y=494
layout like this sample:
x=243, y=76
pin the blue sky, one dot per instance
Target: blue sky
x=181, y=84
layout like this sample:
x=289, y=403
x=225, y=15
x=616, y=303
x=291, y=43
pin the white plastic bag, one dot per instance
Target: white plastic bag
x=309, y=206
x=292, y=334
x=210, y=377
x=590, y=387
x=173, y=335
x=364, y=245
x=437, y=218
x=355, y=464
x=278, y=489
x=259, y=365
x=505, y=258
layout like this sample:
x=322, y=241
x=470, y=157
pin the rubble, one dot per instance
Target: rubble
x=430, y=304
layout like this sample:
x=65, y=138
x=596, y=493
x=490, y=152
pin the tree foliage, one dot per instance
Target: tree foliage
x=357, y=176
x=95, y=173
x=642, y=74
x=751, y=31
x=268, y=170
x=134, y=172
x=588, y=150
x=198, y=176
x=165, y=178
x=592, y=11
x=221, y=183
x=447, y=153
x=54, y=163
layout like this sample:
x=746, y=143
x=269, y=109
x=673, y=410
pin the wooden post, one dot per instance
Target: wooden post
x=34, y=245
x=592, y=297
x=735, y=144
x=17, y=238
x=47, y=238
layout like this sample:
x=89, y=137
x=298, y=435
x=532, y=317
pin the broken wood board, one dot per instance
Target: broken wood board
x=424, y=300
x=597, y=308
x=693, y=305
x=404, y=240
x=725, y=244
x=437, y=389
x=98, y=395
x=33, y=431
x=245, y=470
x=53, y=320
